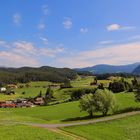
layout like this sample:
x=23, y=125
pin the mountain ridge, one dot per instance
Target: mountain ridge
x=105, y=68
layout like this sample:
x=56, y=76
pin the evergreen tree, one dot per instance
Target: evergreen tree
x=137, y=93
x=135, y=82
x=66, y=84
x=48, y=95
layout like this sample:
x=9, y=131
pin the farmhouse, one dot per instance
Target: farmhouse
x=39, y=101
x=7, y=104
x=12, y=86
x=3, y=89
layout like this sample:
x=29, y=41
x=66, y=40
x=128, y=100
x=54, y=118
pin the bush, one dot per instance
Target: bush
x=66, y=84
x=120, y=86
x=117, y=87
x=78, y=93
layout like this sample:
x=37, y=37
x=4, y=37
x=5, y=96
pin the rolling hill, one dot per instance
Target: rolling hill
x=45, y=73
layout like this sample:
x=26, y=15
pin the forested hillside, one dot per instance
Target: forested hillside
x=26, y=74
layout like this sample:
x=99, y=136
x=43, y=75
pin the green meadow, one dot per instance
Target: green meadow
x=65, y=113
x=61, y=112
x=22, y=132
x=122, y=129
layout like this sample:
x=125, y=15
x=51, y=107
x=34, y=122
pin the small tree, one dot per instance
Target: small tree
x=137, y=93
x=116, y=86
x=48, y=95
x=135, y=82
x=87, y=104
x=66, y=84
x=101, y=86
x=95, y=80
x=40, y=94
x=104, y=100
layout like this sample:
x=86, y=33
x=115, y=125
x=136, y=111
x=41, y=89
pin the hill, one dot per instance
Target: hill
x=137, y=70
x=27, y=74
x=103, y=68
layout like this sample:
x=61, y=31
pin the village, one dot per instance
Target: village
x=38, y=101
x=19, y=102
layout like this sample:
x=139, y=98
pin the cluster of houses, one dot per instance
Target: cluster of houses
x=8, y=89
x=38, y=101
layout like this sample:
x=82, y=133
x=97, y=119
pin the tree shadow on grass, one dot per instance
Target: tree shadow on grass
x=82, y=118
x=129, y=109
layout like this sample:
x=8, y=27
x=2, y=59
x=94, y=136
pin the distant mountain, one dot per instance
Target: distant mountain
x=103, y=68
x=137, y=70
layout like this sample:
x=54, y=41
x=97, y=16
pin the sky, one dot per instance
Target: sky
x=69, y=33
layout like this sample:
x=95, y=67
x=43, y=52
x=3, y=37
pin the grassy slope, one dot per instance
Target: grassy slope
x=55, y=113
x=29, y=92
x=122, y=129
x=58, y=94
x=21, y=132
x=60, y=112
x=82, y=82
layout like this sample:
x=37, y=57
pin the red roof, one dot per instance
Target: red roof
x=7, y=105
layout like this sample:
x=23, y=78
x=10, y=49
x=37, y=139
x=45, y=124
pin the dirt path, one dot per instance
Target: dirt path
x=67, y=134
x=55, y=127
x=108, y=118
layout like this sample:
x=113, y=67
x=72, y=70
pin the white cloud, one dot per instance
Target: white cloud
x=45, y=9
x=67, y=23
x=23, y=47
x=17, y=19
x=117, y=54
x=113, y=27
x=22, y=53
x=45, y=40
x=11, y=59
x=41, y=26
x=106, y=42
x=3, y=44
x=116, y=27
x=84, y=30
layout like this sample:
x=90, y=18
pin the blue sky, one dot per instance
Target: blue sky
x=69, y=33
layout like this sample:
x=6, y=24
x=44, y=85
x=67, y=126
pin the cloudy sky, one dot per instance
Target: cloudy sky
x=69, y=33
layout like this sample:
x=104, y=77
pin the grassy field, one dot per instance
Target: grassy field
x=21, y=132
x=82, y=81
x=122, y=129
x=48, y=114
x=36, y=87
x=61, y=112
x=31, y=91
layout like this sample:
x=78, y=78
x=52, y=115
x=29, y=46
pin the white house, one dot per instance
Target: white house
x=3, y=89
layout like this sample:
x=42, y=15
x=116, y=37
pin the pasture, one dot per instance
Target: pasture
x=122, y=129
x=22, y=132
x=34, y=88
x=61, y=112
